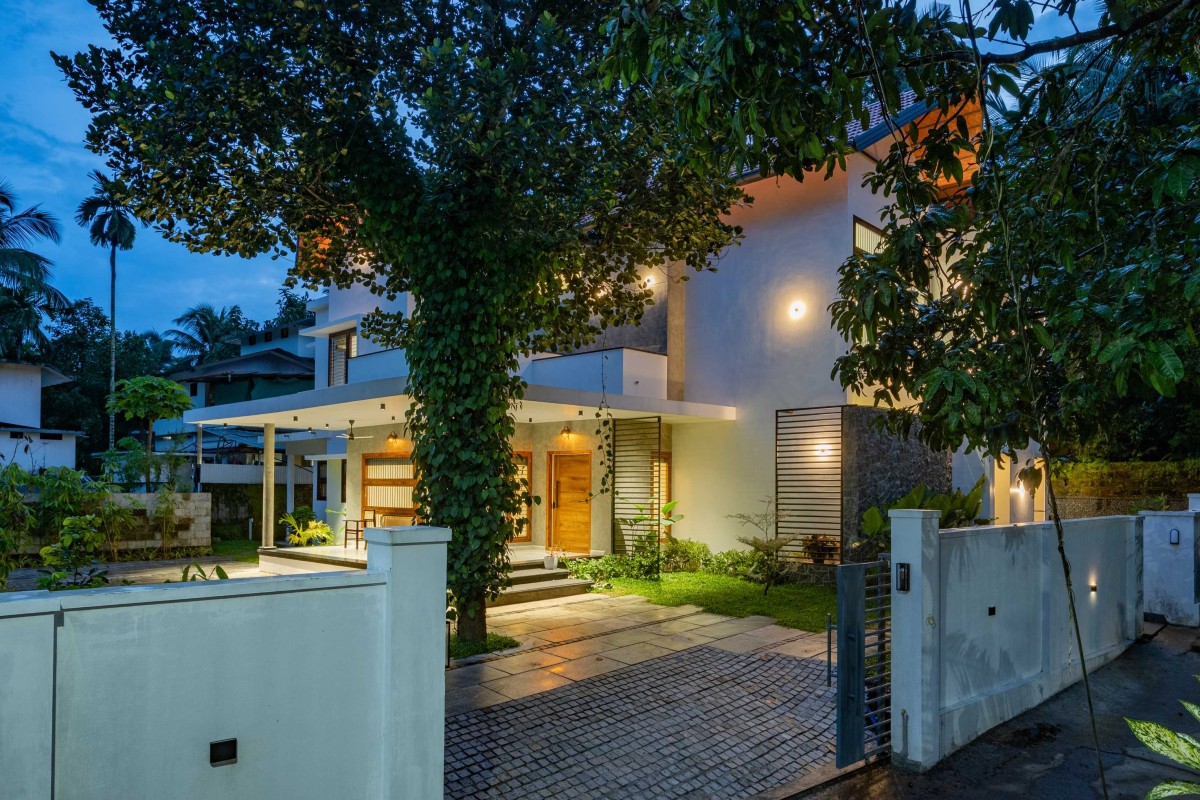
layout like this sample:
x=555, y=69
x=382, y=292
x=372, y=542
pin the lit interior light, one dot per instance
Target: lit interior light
x=797, y=309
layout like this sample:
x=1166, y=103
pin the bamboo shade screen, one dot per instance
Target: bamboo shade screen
x=808, y=482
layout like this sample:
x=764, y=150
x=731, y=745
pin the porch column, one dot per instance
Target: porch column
x=290, y=464
x=198, y=486
x=268, y=526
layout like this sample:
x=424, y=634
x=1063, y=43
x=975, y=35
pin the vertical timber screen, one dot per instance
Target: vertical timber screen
x=808, y=482
x=634, y=455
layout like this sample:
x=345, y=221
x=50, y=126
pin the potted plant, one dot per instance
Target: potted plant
x=553, y=554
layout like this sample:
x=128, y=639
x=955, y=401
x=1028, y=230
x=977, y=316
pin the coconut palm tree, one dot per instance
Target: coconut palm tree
x=26, y=296
x=206, y=334
x=109, y=220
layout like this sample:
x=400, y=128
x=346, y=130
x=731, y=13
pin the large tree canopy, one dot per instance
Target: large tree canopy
x=1038, y=268
x=468, y=153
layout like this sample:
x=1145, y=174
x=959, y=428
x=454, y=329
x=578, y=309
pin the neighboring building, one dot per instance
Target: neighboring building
x=23, y=440
x=271, y=363
x=724, y=396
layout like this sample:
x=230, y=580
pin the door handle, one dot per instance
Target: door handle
x=556, y=494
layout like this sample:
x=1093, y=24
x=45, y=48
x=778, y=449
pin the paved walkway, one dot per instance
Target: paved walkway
x=620, y=698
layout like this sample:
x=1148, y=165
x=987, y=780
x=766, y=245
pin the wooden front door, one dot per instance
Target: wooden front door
x=570, y=501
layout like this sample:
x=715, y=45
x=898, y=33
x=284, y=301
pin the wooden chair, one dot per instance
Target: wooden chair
x=353, y=528
x=358, y=527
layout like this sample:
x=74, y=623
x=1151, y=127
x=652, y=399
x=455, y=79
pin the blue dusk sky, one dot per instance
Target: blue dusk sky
x=43, y=157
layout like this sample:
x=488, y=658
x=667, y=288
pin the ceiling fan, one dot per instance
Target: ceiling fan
x=350, y=434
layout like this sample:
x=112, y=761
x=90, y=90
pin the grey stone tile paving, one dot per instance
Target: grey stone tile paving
x=700, y=723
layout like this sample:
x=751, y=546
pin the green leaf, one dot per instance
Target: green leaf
x=1179, y=747
x=1173, y=789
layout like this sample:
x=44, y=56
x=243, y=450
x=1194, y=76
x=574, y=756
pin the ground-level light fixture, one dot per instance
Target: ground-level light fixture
x=797, y=309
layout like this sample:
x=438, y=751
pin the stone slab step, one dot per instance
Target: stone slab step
x=536, y=575
x=542, y=590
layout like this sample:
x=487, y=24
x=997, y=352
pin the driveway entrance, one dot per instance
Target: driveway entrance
x=703, y=708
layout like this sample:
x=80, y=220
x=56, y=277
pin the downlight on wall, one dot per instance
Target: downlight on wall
x=797, y=309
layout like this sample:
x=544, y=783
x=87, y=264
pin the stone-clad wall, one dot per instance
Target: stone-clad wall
x=193, y=522
x=878, y=468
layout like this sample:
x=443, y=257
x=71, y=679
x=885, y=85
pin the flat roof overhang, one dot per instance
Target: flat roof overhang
x=377, y=402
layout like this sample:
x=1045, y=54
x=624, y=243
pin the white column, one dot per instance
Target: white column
x=414, y=678
x=268, y=528
x=290, y=466
x=1170, y=561
x=199, y=457
x=916, y=641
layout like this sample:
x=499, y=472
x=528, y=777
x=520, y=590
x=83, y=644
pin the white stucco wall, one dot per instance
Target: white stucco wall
x=744, y=349
x=32, y=452
x=984, y=631
x=618, y=371
x=21, y=394
x=1173, y=570
x=331, y=683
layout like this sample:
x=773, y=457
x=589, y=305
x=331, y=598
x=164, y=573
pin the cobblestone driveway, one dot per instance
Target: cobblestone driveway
x=700, y=723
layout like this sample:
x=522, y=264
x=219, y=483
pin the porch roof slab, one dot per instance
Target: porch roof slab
x=377, y=402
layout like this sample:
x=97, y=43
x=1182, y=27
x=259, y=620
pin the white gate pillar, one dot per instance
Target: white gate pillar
x=916, y=640
x=414, y=678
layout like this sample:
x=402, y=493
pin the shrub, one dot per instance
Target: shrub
x=685, y=555
x=313, y=533
x=958, y=509
x=71, y=561
x=644, y=562
x=738, y=563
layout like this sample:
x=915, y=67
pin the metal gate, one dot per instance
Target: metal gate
x=864, y=653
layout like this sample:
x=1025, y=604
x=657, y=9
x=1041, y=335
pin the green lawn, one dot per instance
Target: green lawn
x=238, y=549
x=791, y=605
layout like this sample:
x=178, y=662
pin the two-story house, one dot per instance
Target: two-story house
x=723, y=396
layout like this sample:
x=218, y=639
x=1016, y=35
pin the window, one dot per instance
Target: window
x=52, y=437
x=253, y=339
x=285, y=333
x=322, y=480
x=867, y=238
x=192, y=389
x=524, y=463
x=343, y=346
x=268, y=336
x=388, y=480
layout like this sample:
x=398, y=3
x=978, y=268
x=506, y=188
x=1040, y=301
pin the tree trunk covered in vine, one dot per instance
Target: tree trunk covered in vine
x=462, y=357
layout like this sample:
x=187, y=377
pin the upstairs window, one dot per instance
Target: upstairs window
x=867, y=238
x=343, y=346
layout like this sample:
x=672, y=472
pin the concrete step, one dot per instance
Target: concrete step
x=536, y=575
x=542, y=590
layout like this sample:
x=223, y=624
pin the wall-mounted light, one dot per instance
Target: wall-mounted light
x=1174, y=534
x=823, y=450
x=566, y=431
x=1094, y=587
x=797, y=309
x=649, y=282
